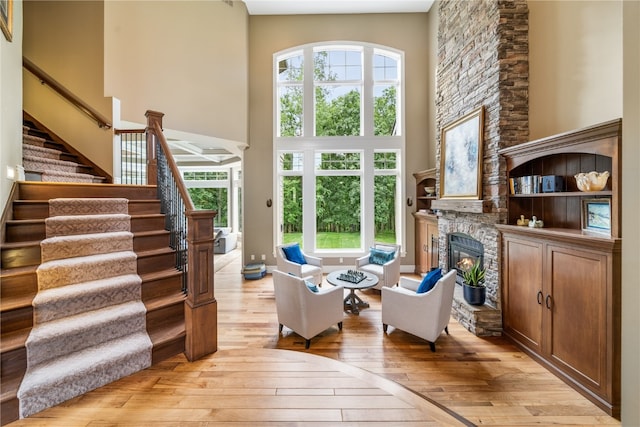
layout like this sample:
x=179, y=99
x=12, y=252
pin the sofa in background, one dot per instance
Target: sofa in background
x=224, y=240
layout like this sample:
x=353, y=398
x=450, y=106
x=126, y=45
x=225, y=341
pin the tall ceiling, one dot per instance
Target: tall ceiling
x=197, y=152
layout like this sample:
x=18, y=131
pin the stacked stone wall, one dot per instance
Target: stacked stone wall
x=483, y=61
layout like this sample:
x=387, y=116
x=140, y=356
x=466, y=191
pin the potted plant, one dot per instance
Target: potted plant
x=473, y=287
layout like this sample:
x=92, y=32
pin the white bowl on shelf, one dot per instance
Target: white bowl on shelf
x=430, y=191
x=592, y=181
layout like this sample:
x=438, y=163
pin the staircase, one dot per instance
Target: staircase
x=21, y=255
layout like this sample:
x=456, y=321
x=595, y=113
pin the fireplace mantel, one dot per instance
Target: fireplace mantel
x=462, y=205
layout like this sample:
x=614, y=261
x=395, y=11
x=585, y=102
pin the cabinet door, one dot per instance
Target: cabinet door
x=577, y=338
x=523, y=291
x=422, y=255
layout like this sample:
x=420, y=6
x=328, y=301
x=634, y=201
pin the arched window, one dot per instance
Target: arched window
x=339, y=146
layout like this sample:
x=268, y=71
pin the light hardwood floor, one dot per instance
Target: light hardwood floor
x=250, y=381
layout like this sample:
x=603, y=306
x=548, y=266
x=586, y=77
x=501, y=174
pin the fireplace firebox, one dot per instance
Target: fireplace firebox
x=464, y=252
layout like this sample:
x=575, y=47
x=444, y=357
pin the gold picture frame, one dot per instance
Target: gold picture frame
x=461, y=157
x=6, y=18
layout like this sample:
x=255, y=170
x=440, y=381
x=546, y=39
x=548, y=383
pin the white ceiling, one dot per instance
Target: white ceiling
x=303, y=7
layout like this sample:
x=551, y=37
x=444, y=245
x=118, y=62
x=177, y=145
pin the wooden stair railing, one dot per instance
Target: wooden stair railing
x=45, y=78
x=192, y=237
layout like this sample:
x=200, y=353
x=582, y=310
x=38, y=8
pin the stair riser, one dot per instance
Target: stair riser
x=87, y=336
x=13, y=320
x=18, y=232
x=20, y=257
x=149, y=242
x=147, y=223
x=86, y=297
x=142, y=207
x=40, y=191
x=71, y=246
x=168, y=349
x=10, y=410
x=14, y=363
x=27, y=232
x=19, y=285
x=162, y=287
x=149, y=264
x=165, y=317
x=23, y=211
x=83, y=272
x=40, y=210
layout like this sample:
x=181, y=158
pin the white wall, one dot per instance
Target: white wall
x=10, y=102
x=630, y=223
x=187, y=59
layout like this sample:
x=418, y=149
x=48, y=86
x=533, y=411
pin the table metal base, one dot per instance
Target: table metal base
x=353, y=303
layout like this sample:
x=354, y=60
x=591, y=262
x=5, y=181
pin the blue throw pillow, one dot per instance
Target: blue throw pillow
x=429, y=281
x=312, y=287
x=380, y=257
x=294, y=254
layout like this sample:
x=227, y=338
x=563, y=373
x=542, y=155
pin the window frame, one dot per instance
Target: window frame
x=367, y=143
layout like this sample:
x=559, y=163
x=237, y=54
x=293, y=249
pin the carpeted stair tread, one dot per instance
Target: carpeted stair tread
x=40, y=152
x=86, y=224
x=88, y=206
x=71, y=334
x=77, y=245
x=61, y=379
x=33, y=140
x=52, y=274
x=55, y=303
x=56, y=176
x=48, y=165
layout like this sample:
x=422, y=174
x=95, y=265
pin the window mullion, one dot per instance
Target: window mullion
x=366, y=119
x=309, y=203
x=368, y=198
x=308, y=110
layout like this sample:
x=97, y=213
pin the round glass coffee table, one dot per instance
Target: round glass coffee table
x=353, y=302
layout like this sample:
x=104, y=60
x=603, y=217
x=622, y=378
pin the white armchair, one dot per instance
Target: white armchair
x=305, y=312
x=424, y=315
x=313, y=267
x=388, y=273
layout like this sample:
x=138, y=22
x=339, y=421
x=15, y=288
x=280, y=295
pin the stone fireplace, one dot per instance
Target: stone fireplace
x=482, y=63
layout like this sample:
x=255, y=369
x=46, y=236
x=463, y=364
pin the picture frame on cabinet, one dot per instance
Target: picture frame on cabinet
x=596, y=215
x=6, y=18
x=461, y=157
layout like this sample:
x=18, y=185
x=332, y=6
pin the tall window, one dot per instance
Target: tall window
x=339, y=146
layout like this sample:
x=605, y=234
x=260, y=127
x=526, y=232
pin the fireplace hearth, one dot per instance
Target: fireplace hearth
x=464, y=252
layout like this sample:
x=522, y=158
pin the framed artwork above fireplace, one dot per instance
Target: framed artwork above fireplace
x=461, y=157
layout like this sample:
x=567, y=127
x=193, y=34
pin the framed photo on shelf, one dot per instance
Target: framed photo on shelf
x=596, y=215
x=6, y=18
x=461, y=157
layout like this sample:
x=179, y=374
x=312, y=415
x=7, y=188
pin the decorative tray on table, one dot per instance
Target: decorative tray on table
x=352, y=276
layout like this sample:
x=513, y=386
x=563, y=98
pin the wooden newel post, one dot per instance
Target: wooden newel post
x=152, y=160
x=201, y=307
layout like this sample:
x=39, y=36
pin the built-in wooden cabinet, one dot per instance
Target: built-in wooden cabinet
x=426, y=223
x=561, y=285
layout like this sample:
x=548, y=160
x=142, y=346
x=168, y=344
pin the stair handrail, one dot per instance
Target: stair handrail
x=45, y=78
x=191, y=232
